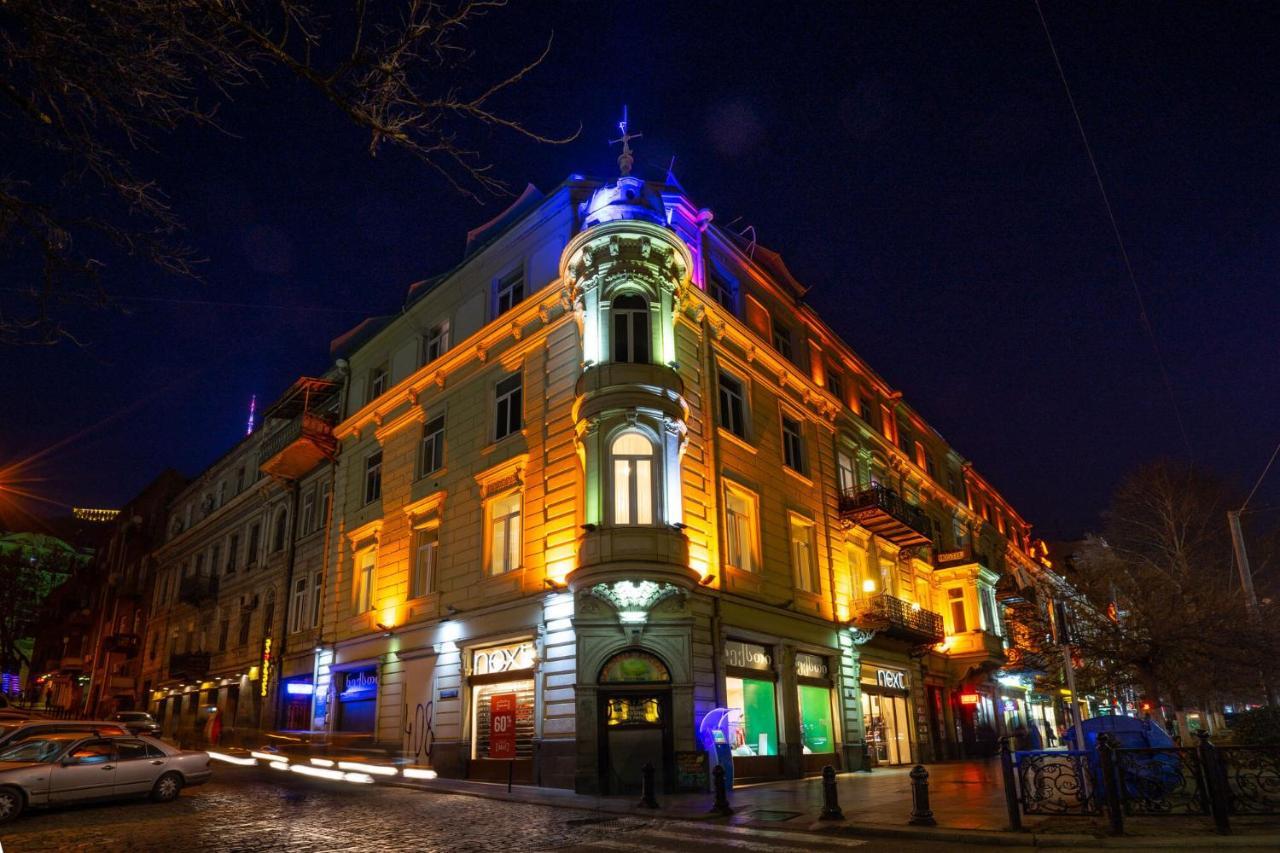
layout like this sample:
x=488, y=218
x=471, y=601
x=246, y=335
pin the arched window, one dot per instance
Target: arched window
x=280, y=536
x=634, y=485
x=631, y=329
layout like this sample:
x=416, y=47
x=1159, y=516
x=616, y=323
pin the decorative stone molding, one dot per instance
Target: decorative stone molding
x=503, y=476
x=634, y=599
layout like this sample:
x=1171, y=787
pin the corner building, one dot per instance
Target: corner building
x=609, y=493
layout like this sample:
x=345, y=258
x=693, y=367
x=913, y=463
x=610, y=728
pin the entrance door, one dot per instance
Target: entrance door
x=888, y=728
x=635, y=731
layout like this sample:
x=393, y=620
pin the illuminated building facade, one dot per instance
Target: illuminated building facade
x=609, y=492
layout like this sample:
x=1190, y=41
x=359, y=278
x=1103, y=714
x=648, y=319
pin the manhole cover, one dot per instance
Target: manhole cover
x=589, y=821
x=769, y=814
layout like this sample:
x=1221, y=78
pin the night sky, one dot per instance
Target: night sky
x=917, y=166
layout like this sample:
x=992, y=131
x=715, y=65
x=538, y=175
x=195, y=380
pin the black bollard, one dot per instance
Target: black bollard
x=721, y=805
x=921, y=814
x=830, y=801
x=1215, y=775
x=866, y=757
x=647, y=798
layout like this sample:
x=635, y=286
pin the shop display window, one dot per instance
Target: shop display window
x=524, y=718
x=753, y=717
x=816, y=733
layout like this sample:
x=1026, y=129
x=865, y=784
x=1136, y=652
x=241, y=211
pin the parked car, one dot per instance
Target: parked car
x=137, y=722
x=67, y=767
x=12, y=731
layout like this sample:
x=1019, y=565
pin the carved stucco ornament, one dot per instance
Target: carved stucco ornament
x=634, y=599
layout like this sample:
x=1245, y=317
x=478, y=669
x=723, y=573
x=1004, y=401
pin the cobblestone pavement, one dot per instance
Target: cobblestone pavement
x=257, y=810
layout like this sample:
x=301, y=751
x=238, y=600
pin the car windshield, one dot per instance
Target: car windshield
x=36, y=749
x=133, y=717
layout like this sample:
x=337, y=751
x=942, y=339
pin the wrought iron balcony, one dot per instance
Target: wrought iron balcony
x=197, y=589
x=297, y=446
x=194, y=665
x=883, y=511
x=901, y=620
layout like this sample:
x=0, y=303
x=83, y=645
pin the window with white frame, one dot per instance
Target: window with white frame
x=317, y=597
x=631, y=329
x=634, y=485
x=308, y=512
x=792, y=444
x=723, y=291
x=373, y=477
x=365, y=562
x=379, y=379
x=803, y=562
x=741, y=527
x=846, y=472
x=955, y=602
x=782, y=341
x=507, y=410
x=426, y=546
x=435, y=342
x=298, y=605
x=733, y=405
x=432, y=453
x=504, y=533
x=508, y=291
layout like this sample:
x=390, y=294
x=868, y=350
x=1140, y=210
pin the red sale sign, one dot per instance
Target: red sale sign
x=502, y=725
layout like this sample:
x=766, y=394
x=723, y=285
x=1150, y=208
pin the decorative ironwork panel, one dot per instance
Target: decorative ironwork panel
x=1056, y=782
x=1162, y=781
x=1253, y=778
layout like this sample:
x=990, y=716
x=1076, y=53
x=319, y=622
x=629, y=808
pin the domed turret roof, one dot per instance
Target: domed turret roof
x=628, y=198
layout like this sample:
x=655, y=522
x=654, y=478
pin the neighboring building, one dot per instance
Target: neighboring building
x=609, y=491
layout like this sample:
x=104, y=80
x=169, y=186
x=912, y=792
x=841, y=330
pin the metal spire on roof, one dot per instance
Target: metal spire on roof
x=625, y=159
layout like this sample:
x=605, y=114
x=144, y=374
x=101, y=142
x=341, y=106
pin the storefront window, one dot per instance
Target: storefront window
x=491, y=704
x=357, y=700
x=753, y=716
x=815, y=719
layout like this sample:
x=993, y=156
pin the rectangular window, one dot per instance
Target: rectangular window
x=802, y=557
x=317, y=597
x=326, y=496
x=373, y=477
x=298, y=605
x=722, y=291
x=255, y=541
x=224, y=630
x=233, y=553
x=364, y=581
x=504, y=534
x=379, y=378
x=740, y=529
x=835, y=384
x=435, y=342
x=955, y=597
x=920, y=454
x=887, y=425
x=508, y=292
x=246, y=617
x=846, y=473
x=792, y=445
x=215, y=559
x=816, y=732
x=432, y=458
x=508, y=414
x=733, y=406
x=782, y=342
x=753, y=730
x=988, y=598
x=864, y=409
x=308, y=512
x=424, y=563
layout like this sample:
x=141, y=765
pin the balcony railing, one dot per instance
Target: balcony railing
x=883, y=511
x=297, y=446
x=901, y=620
x=197, y=589
x=193, y=665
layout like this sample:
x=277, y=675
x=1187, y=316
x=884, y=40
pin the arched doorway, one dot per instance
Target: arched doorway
x=635, y=721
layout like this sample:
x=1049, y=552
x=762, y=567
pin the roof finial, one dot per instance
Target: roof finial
x=625, y=159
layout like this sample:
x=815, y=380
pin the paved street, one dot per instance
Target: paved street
x=258, y=810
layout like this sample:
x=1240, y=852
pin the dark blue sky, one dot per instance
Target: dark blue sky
x=917, y=166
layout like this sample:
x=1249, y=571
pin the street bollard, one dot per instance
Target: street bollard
x=1216, y=779
x=647, y=798
x=921, y=814
x=1010, y=786
x=1111, y=782
x=721, y=805
x=866, y=757
x=830, y=799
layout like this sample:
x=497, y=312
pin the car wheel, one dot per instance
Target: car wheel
x=167, y=788
x=10, y=804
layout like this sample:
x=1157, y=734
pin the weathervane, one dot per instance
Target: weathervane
x=625, y=159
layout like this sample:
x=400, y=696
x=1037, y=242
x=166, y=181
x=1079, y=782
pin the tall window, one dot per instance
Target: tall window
x=379, y=378
x=255, y=542
x=364, y=581
x=215, y=559
x=317, y=593
x=432, y=458
x=233, y=553
x=308, y=512
x=846, y=473
x=631, y=329
x=326, y=497
x=508, y=416
x=508, y=292
x=802, y=557
x=733, y=406
x=504, y=534
x=281, y=534
x=792, y=445
x=782, y=342
x=955, y=600
x=298, y=605
x=435, y=342
x=424, y=562
x=373, y=477
x=740, y=529
x=835, y=384
x=722, y=291
x=634, y=489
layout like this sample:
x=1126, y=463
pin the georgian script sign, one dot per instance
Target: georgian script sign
x=810, y=666
x=502, y=725
x=746, y=655
x=502, y=659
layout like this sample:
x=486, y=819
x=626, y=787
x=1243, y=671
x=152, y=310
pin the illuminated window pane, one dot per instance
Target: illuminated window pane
x=753, y=717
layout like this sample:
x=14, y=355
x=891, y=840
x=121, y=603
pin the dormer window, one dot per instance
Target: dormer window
x=508, y=292
x=435, y=342
x=631, y=329
x=379, y=378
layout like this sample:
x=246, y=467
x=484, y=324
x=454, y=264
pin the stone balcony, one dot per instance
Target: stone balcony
x=622, y=385
x=653, y=552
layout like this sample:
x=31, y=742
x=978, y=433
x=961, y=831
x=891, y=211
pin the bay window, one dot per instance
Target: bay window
x=634, y=484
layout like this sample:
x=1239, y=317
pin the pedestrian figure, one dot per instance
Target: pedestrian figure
x=1050, y=740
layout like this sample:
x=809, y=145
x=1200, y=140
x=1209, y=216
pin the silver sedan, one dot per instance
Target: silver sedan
x=69, y=767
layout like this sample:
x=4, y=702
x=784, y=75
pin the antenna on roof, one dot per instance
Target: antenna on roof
x=625, y=159
x=751, y=247
x=253, y=406
x=672, y=180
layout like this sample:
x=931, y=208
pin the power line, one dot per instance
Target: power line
x=1260, y=479
x=1115, y=229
